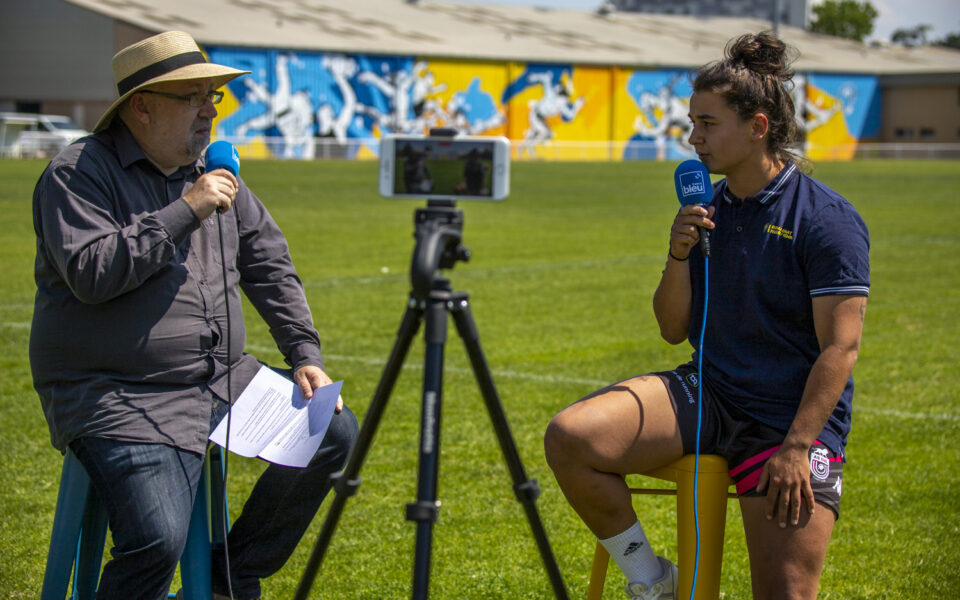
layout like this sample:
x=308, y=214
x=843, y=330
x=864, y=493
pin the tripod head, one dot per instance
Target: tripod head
x=439, y=230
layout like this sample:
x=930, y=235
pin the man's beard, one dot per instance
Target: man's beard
x=197, y=145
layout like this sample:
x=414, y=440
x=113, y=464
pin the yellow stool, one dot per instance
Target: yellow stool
x=712, y=497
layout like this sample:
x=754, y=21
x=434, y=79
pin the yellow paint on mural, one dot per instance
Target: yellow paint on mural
x=827, y=135
x=625, y=110
x=548, y=114
x=519, y=105
x=458, y=78
x=227, y=106
x=592, y=122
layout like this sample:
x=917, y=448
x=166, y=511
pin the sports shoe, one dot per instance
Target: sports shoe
x=664, y=589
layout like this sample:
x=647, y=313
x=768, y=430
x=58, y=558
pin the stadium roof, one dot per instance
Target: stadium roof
x=501, y=33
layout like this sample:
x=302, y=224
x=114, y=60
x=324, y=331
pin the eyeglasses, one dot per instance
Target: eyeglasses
x=196, y=100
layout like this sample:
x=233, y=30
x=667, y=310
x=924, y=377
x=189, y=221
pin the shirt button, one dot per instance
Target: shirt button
x=739, y=228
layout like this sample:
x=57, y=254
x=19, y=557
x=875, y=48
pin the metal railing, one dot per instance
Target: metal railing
x=584, y=150
x=553, y=150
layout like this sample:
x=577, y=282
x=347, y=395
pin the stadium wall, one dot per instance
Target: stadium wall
x=295, y=103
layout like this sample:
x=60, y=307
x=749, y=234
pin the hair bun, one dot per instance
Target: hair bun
x=761, y=53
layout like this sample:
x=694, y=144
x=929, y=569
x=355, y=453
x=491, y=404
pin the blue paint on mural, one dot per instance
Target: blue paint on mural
x=292, y=98
x=298, y=96
x=473, y=111
x=663, y=99
x=858, y=99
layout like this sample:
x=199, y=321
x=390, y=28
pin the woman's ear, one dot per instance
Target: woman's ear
x=759, y=126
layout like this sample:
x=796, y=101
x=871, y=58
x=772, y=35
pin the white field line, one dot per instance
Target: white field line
x=485, y=272
x=599, y=383
x=561, y=379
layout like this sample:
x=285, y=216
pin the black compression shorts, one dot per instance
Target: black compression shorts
x=743, y=441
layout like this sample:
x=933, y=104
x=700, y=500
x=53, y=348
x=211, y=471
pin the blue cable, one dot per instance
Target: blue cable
x=696, y=464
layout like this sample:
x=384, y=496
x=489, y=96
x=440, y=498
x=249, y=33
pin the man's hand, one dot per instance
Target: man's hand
x=786, y=476
x=212, y=191
x=309, y=378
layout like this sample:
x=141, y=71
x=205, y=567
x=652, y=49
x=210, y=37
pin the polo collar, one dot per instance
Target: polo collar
x=770, y=192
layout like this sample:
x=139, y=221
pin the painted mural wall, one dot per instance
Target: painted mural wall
x=295, y=103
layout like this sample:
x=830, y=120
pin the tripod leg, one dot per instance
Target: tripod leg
x=526, y=490
x=347, y=481
x=424, y=510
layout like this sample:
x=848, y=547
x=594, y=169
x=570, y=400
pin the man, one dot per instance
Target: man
x=136, y=334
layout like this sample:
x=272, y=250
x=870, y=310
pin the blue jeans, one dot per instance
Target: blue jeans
x=149, y=489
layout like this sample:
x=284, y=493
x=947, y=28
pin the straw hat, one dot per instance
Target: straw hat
x=170, y=56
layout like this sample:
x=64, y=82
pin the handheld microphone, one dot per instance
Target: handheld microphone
x=222, y=155
x=692, y=180
x=693, y=187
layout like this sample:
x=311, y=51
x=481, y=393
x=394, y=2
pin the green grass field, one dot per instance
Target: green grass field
x=560, y=282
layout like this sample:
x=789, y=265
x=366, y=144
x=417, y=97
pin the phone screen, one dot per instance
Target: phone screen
x=443, y=167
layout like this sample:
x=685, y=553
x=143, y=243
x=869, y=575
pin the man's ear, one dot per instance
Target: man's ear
x=139, y=108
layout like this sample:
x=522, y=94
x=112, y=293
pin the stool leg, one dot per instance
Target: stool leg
x=93, y=536
x=67, y=519
x=712, y=510
x=598, y=574
x=195, y=560
x=77, y=538
x=218, y=503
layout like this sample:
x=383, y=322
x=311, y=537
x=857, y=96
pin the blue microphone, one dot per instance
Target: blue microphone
x=692, y=180
x=222, y=155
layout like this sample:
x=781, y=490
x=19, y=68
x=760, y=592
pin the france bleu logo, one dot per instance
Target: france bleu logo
x=692, y=184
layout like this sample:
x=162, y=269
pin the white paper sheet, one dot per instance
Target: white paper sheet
x=272, y=420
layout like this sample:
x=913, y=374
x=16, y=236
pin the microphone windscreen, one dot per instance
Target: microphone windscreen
x=692, y=180
x=222, y=155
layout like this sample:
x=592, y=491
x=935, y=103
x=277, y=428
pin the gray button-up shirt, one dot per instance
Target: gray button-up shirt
x=129, y=335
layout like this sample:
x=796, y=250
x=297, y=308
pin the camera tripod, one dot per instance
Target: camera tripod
x=438, y=235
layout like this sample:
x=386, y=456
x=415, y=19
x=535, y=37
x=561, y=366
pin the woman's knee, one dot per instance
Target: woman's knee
x=564, y=440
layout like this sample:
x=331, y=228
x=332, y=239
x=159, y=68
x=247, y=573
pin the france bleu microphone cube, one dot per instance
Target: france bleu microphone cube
x=692, y=184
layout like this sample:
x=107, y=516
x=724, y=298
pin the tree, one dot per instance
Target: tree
x=844, y=18
x=911, y=38
x=951, y=40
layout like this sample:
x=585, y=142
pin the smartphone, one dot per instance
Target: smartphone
x=445, y=168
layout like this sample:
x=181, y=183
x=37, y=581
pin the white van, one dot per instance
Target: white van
x=24, y=135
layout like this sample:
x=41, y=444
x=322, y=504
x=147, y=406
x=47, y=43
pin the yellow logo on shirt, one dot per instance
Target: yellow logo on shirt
x=777, y=230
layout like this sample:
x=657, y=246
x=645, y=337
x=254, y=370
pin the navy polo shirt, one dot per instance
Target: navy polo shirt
x=770, y=255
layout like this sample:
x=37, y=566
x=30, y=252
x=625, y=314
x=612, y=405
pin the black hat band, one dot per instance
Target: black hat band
x=159, y=68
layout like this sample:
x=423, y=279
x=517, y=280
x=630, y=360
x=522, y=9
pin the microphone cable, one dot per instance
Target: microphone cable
x=696, y=455
x=224, y=521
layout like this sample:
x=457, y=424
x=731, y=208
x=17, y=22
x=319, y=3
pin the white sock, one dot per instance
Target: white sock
x=631, y=551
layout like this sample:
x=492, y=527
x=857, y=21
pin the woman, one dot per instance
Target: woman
x=789, y=278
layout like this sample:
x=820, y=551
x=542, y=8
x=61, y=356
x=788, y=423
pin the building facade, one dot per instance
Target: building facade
x=561, y=85
x=787, y=12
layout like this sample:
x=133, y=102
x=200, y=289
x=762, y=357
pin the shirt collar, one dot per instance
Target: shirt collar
x=129, y=151
x=771, y=192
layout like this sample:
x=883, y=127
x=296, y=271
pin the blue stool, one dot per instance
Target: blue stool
x=80, y=532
